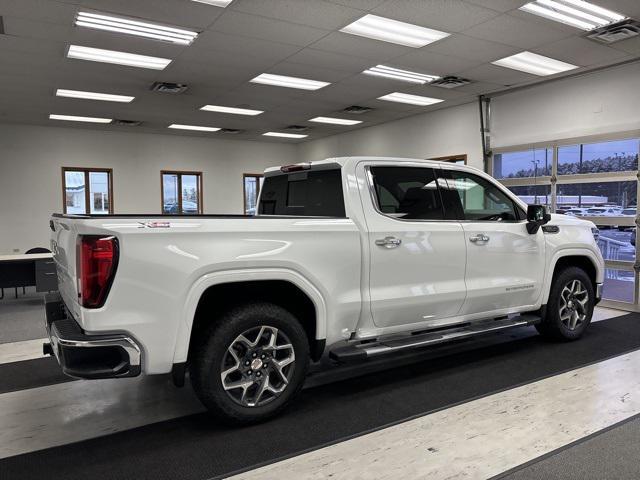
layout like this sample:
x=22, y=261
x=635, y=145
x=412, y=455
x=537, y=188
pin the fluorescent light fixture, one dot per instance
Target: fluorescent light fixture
x=233, y=110
x=193, y=127
x=130, y=26
x=289, y=82
x=105, y=97
x=73, y=118
x=335, y=121
x=387, y=30
x=535, y=64
x=215, y=3
x=403, y=75
x=410, y=99
x=118, y=58
x=284, y=135
x=577, y=13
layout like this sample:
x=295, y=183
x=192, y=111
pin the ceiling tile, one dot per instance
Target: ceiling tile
x=470, y=48
x=361, y=4
x=244, y=46
x=346, y=44
x=499, y=5
x=445, y=15
x=435, y=63
x=270, y=29
x=497, y=75
x=40, y=10
x=27, y=28
x=631, y=46
x=309, y=71
x=316, y=13
x=579, y=51
x=335, y=61
x=509, y=30
x=630, y=8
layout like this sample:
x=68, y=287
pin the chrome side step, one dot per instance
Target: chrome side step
x=363, y=351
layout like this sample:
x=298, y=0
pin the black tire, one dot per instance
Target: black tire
x=552, y=326
x=211, y=350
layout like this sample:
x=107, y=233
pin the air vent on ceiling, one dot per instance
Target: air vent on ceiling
x=126, y=123
x=297, y=128
x=231, y=131
x=450, y=81
x=615, y=32
x=357, y=110
x=169, y=87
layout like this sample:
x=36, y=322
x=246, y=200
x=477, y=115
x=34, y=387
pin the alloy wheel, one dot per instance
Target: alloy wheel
x=574, y=300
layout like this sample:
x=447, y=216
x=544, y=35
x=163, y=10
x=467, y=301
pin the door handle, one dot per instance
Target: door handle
x=388, y=242
x=481, y=237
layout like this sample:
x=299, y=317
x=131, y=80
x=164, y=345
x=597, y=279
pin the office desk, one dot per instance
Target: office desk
x=37, y=270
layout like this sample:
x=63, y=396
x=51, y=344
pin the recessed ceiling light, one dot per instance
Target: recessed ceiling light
x=387, y=30
x=234, y=110
x=130, y=26
x=216, y=3
x=403, y=75
x=106, y=97
x=289, y=82
x=410, y=99
x=193, y=127
x=535, y=64
x=118, y=58
x=284, y=135
x=73, y=118
x=576, y=13
x=335, y=121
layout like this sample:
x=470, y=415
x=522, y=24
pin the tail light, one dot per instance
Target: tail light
x=96, y=260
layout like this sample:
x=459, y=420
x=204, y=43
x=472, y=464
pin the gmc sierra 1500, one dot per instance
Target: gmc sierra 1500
x=348, y=258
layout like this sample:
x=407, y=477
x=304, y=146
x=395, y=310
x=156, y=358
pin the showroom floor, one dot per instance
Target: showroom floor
x=508, y=403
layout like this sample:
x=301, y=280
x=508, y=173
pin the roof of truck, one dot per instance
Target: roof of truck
x=342, y=161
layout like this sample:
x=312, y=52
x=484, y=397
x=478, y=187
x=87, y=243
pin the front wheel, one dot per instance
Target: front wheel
x=250, y=363
x=570, y=305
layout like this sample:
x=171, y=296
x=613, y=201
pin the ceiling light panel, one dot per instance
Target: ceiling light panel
x=215, y=3
x=284, y=135
x=289, y=82
x=402, y=75
x=193, y=127
x=232, y=110
x=535, y=64
x=105, y=97
x=335, y=121
x=118, y=58
x=393, y=31
x=577, y=13
x=73, y=118
x=410, y=99
x=130, y=26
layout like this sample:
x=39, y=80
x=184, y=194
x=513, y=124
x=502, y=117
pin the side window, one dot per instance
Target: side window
x=480, y=199
x=410, y=193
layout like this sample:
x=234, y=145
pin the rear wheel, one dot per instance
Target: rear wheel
x=251, y=363
x=570, y=305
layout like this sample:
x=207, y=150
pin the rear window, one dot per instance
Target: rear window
x=310, y=193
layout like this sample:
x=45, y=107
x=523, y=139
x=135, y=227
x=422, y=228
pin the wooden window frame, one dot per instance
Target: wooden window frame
x=87, y=188
x=179, y=174
x=244, y=191
x=452, y=158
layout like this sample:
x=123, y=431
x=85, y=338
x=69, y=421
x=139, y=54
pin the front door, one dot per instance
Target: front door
x=505, y=264
x=417, y=254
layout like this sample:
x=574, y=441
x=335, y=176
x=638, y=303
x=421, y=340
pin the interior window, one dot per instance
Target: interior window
x=410, y=193
x=480, y=199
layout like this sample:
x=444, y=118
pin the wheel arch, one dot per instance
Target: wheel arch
x=222, y=290
x=584, y=259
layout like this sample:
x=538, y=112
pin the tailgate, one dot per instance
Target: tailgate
x=63, y=246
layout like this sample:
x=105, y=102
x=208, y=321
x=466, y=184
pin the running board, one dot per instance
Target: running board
x=363, y=351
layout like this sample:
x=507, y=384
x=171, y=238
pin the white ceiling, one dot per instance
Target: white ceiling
x=288, y=37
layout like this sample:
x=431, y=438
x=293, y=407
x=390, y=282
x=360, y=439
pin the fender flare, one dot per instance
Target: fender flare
x=569, y=252
x=183, y=335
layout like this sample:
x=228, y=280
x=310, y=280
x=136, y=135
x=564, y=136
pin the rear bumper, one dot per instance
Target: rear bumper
x=88, y=356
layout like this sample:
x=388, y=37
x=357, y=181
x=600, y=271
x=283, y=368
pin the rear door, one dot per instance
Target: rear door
x=505, y=264
x=417, y=253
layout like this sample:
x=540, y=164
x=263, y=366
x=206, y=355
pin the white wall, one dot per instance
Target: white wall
x=599, y=103
x=450, y=131
x=30, y=172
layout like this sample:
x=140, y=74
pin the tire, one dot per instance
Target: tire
x=224, y=351
x=571, y=296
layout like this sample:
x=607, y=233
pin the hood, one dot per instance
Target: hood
x=559, y=219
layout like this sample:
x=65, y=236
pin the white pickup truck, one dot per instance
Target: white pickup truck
x=347, y=258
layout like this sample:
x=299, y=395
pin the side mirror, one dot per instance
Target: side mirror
x=536, y=217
